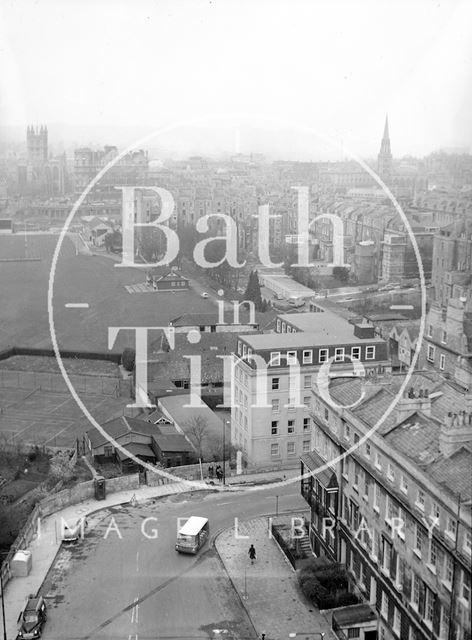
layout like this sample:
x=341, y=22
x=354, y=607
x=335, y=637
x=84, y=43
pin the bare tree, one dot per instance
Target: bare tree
x=196, y=428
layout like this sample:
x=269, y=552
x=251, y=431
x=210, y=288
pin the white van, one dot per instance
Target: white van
x=193, y=535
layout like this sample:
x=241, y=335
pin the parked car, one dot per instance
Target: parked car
x=31, y=620
x=204, y=294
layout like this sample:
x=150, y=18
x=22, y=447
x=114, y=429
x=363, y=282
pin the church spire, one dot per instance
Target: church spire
x=384, y=159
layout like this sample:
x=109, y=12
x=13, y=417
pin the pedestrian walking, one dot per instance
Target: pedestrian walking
x=219, y=472
x=210, y=472
x=252, y=554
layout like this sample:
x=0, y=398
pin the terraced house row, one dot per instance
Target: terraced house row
x=396, y=488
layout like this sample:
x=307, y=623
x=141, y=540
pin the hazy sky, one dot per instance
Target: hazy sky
x=335, y=66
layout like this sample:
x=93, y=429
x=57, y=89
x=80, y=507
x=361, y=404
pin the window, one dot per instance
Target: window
x=356, y=438
x=274, y=427
x=274, y=359
x=278, y=325
x=448, y=569
x=419, y=540
x=378, y=460
x=415, y=591
x=442, y=361
x=289, y=329
x=306, y=424
x=451, y=527
x=384, y=606
x=390, y=472
x=370, y=353
x=275, y=406
x=244, y=350
x=420, y=499
x=274, y=450
x=445, y=622
x=468, y=542
x=306, y=446
x=307, y=382
x=239, y=347
x=306, y=401
x=444, y=337
x=107, y=451
x=291, y=426
x=347, y=432
x=290, y=448
x=367, y=450
x=356, y=474
x=323, y=355
x=275, y=384
x=465, y=587
x=435, y=511
x=284, y=327
x=339, y=354
x=396, y=620
x=291, y=357
x=376, y=496
x=353, y=632
x=355, y=353
x=326, y=415
x=429, y=606
x=307, y=357
x=404, y=484
x=430, y=331
x=431, y=352
x=433, y=553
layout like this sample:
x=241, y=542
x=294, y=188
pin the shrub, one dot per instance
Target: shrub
x=345, y=599
x=313, y=590
x=128, y=359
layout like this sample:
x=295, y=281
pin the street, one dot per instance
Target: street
x=125, y=580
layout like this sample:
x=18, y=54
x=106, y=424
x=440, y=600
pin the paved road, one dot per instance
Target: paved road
x=134, y=588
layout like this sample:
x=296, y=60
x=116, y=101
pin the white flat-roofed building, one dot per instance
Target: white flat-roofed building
x=276, y=429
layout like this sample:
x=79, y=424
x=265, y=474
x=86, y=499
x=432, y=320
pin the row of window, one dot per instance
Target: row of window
x=275, y=448
x=340, y=354
x=443, y=334
x=424, y=504
x=391, y=564
x=291, y=424
x=362, y=483
x=431, y=356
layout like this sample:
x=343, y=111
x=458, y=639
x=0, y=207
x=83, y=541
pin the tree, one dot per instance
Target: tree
x=253, y=291
x=196, y=428
x=128, y=358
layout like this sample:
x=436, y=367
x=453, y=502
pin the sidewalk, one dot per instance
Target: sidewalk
x=45, y=546
x=268, y=588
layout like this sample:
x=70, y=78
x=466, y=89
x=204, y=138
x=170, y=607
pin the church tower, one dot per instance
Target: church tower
x=384, y=159
x=37, y=145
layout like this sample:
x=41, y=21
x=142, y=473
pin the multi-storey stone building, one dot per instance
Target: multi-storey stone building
x=452, y=259
x=390, y=497
x=274, y=375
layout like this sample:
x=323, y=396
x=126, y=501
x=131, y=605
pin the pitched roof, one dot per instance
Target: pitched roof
x=118, y=427
x=181, y=414
x=136, y=449
x=172, y=442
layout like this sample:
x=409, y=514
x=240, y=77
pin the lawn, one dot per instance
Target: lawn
x=84, y=279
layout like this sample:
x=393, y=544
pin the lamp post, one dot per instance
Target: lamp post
x=225, y=422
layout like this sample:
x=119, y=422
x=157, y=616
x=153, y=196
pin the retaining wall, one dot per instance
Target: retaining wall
x=56, y=502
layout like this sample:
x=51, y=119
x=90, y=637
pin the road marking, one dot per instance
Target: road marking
x=135, y=611
x=77, y=305
x=401, y=306
x=137, y=561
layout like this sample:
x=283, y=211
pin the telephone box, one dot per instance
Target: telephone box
x=100, y=488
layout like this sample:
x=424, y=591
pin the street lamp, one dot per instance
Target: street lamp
x=225, y=422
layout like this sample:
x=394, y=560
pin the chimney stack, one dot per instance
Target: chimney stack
x=456, y=431
x=412, y=402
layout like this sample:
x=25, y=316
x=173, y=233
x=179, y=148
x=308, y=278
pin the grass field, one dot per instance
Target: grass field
x=84, y=279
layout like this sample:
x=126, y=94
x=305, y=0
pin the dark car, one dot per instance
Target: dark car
x=32, y=619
